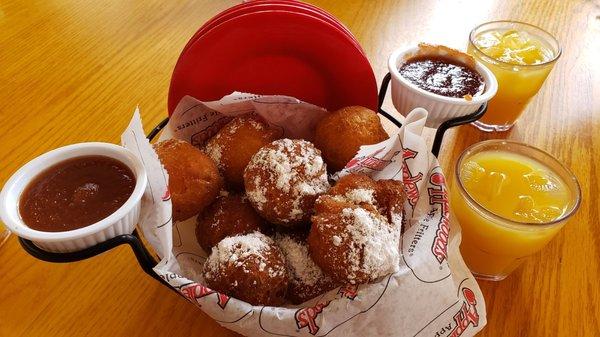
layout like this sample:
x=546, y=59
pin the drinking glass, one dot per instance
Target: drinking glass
x=493, y=246
x=517, y=83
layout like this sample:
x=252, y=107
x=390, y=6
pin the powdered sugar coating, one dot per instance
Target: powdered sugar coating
x=250, y=267
x=364, y=247
x=307, y=280
x=386, y=195
x=355, y=233
x=236, y=250
x=284, y=178
x=258, y=196
x=214, y=151
x=359, y=195
x=301, y=267
x=374, y=243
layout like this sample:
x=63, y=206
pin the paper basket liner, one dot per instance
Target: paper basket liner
x=432, y=294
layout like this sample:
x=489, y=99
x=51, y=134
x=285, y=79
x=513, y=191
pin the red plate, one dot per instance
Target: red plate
x=276, y=52
x=260, y=5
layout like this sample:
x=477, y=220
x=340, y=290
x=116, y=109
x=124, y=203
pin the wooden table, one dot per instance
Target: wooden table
x=73, y=71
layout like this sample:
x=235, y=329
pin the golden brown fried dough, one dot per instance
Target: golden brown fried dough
x=248, y=267
x=233, y=146
x=283, y=179
x=386, y=195
x=229, y=215
x=194, y=179
x=390, y=198
x=355, y=231
x=341, y=133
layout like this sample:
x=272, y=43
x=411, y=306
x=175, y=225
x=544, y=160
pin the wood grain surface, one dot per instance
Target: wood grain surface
x=73, y=71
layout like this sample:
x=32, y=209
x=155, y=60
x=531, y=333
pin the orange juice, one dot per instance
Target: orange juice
x=509, y=205
x=521, y=56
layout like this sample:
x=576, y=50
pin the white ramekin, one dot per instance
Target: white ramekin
x=407, y=96
x=122, y=221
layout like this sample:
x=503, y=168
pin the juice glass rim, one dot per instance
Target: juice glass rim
x=500, y=219
x=554, y=59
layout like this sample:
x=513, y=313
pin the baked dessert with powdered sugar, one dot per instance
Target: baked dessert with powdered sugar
x=282, y=233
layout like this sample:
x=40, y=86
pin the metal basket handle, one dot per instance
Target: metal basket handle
x=441, y=130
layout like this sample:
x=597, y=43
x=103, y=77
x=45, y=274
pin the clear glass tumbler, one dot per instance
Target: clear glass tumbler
x=492, y=245
x=517, y=83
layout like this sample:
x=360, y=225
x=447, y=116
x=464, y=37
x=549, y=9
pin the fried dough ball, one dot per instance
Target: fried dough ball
x=298, y=233
x=355, y=187
x=386, y=195
x=233, y=146
x=341, y=133
x=248, y=267
x=229, y=215
x=283, y=179
x=390, y=198
x=307, y=280
x=355, y=233
x=194, y=179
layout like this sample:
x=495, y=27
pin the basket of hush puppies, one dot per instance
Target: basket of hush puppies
x=279, y=218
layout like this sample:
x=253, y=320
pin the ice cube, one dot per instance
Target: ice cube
x=530, y=54
x=526, y=208
x=494, y=182
x=472, y=172
x=485, y=41
x=494, y=51
x=514, y=40
x=487, y=184
x=549, y=213
x=541, y=181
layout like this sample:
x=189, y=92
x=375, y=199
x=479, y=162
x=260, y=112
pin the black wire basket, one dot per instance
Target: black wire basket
x=147, y=261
